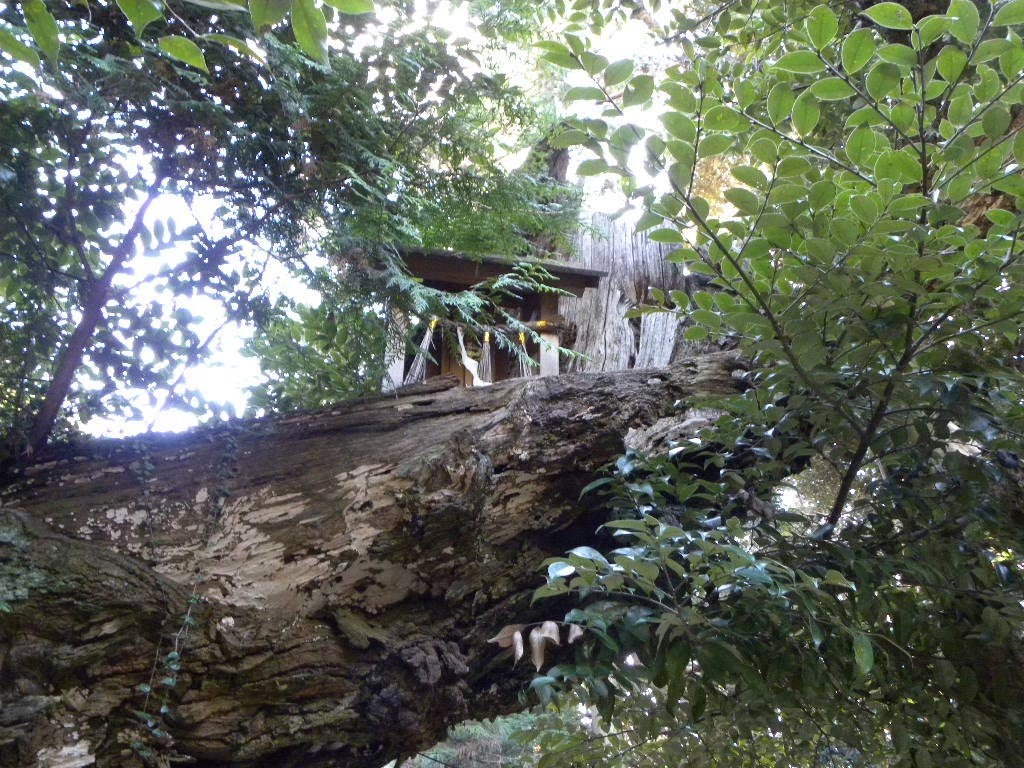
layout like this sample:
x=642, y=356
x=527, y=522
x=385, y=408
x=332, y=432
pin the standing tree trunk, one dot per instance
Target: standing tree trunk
x=313, y=589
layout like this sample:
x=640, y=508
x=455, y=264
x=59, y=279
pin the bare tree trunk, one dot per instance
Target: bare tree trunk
x=347, y=568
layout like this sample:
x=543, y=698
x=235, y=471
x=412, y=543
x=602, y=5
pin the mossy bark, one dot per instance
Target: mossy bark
x=341, y=572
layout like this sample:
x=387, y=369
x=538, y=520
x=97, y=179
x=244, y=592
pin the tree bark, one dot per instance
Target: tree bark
x=346, y=568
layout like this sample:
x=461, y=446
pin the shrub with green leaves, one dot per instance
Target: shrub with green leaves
x=868, y=261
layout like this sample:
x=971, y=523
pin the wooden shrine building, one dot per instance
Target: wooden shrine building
x=538, y=311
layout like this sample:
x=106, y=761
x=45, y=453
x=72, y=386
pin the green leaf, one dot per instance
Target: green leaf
x=822, y=26
x=352, y=7
x=43, y=28
x=801, y=62
x=821, y=194
x=806, y=113
x=639, y=91
x=1018, y=147
x=750, y=176
x=832, y=89
x=864, y=208
x=990, y=49
x=950, y=63
x=618, y=72
x=184, y=50
x=266, y=13
x=592, y=167
x=1011, y=13
x=723, y=118
x=780, y=103
x=16, y=49
x=568, y=138
x=858, y=48
x=220, y=5
x=744, y=200
x=584, y=93
x=898, y=54
x=140, y=13
x=714, y=144
x=964, y=20
x=996, y=120
x=863, y=653
x=310, y=28
x=679, y=126
x=890, y=16
x=666, y=235
x=236, y=44
x=882, y=79
x=929, y=29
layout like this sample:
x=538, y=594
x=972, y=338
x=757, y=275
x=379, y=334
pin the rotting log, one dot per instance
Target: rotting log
x=345, y=569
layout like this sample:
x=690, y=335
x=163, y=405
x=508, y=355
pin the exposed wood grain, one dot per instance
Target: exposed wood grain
x=349, y=566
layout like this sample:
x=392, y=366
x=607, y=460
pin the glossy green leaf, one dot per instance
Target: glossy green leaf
x=858, y=49
x=310, y=28
x=996, y=121
x=890, y=16
x=896, y=53
x=822, y=26
x=806, y=113
x=864, y=208
x=964, y=20
x=1009, y=14
x=832, y=89
x=184, y=50
x=780, y=103
x=882, y=80
x=801, y=62
x=43, y=28
x=950, y=63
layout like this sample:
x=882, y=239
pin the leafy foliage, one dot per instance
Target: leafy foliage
x=370, y=150
x=884, y=321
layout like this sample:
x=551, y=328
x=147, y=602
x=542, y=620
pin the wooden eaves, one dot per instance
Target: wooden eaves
x=456, y=271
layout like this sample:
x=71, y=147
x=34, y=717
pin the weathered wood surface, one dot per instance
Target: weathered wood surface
x=605, y=337
x=349, y=566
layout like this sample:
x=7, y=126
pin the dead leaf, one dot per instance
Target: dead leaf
x=575, y=633
x=504, y=638
x=549, y=629
x=537, y=642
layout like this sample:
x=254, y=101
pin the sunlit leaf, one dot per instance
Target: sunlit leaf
x=184, y=50
x=890, y=16
x=43, y=28
x=310, y=28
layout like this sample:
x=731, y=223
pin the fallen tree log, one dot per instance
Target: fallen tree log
x=312, y=589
